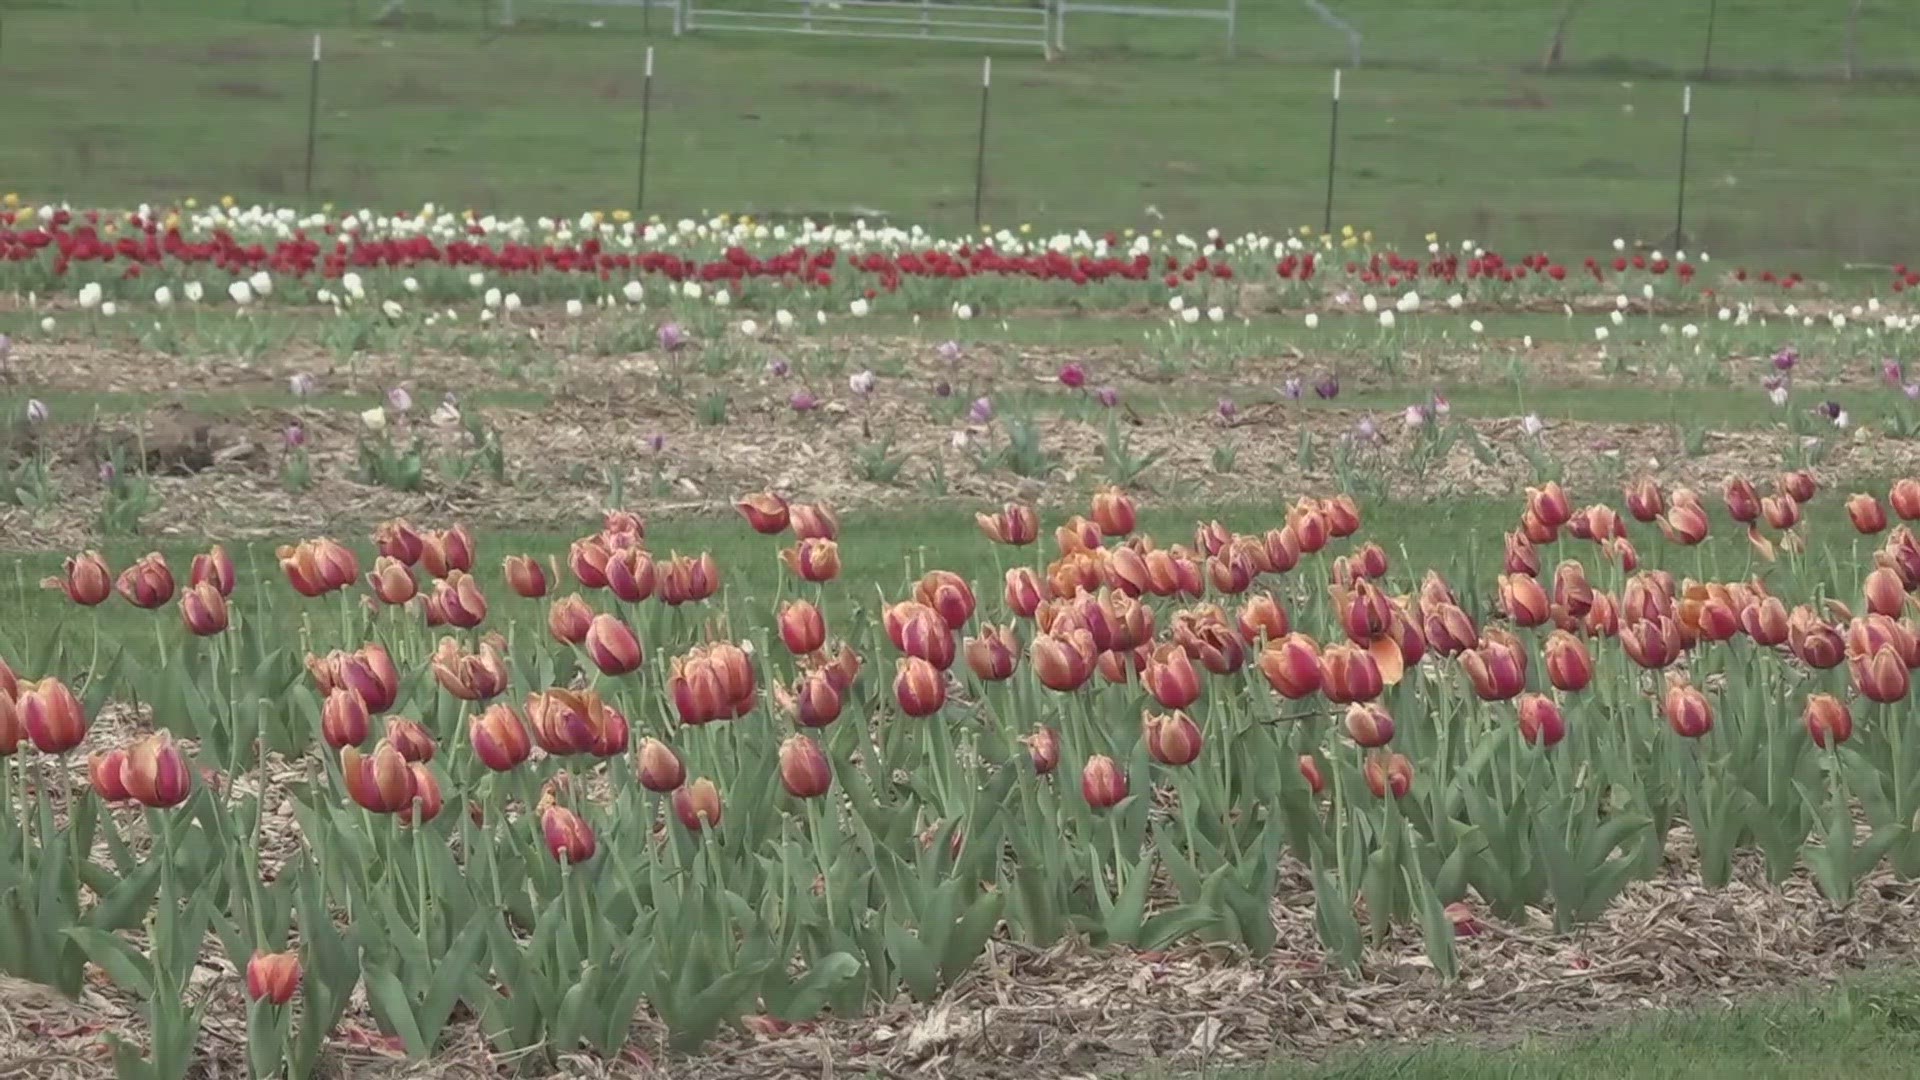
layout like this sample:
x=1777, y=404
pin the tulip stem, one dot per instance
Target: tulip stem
x=420, y=869
x=816, y=824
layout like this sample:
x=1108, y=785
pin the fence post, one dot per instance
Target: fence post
x=1233, y=21
x=980, y=152
x=313, y=118
x=1680, y=209
x=1706, y=57
x=646, y=122
x=1333, y=147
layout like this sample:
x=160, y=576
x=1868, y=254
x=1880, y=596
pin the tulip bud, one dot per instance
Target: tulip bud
x=148, y=583
x=380, y=782
x=398, y=541
x=1569, y=666
x=1102, y=783
x=426, y=795
x=1310, y=772
x=1231, y=571
x=410, y=738
x=1263, y=618
x=1550, y=504
x=1292, y=666
x=87, y=580
x=1348, y=673
x=569, y=619
x=1113, y=512
x=1526, y=602
x=1369, y=725
x=612, y=646
x=1644, y=500
x=1536, y=531
x=1172, y=739
x=1686, y=523
x=1308, y=523
x=344, y=720
x=499, y=738
x=802, y=628
x=1043, y=748
x=441, y=553
x=1884, y=593
x=1077, y=535
x=804, y=769
x=1386, y=773
x=1521, y=556
x=273, y=977
x=525, y=577
x=459, y=597
x=1653, y=643
x=1880, y=676
x=1687, y=709
x=1866, y=514
x=948, y=594
x=1743, y=502
x=51, y=715
x=1904, y=497
x=1540, y=721
x=697, y=805
x=919, y=687
x=1812, y=641
x=813, y=522
x=1342, y=514
x=214, y=567
x=1171, y=679
x=1828, y=722
x=104, y=772
x=631, y=574
x=1063, y=662
x=587, y=557
x=391, y=581
x=766, y=513
x=1023, y=592
x=659, y=767
x=1281, y=549
x=1014, y=525
x=203, y=610
x=1496, y=669
x=569, y=838
x=814, y=702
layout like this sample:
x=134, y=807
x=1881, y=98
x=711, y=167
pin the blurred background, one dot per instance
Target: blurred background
x=1519, y=123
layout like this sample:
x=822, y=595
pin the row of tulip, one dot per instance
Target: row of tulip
x=709, y=805
x=38, y=249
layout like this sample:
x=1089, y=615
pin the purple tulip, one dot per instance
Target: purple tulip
x=108, y=472
x=399, y=400
x=1328, y=387
x=672, y=338
x=1107, y=396
x=656, y=442
x=1366, y=430
x=949, y=351
x=803, y=402
x=1891, y=371
x=1292, y=389
x=301, y=385
x=1073, y=376
x=981, y=411
x=943, y=389
x=778, y=367
x=295, y=436
x=1786, y=358
x=1226, y=410
x=1912, y=390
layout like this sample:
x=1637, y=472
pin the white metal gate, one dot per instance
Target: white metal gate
x=976, y=22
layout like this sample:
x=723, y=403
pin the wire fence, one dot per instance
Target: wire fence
x=545, y=117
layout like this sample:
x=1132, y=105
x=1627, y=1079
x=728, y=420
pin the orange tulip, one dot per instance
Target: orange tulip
x=148, y=583
x=525, y=577
x=1348, y=673
x=1644, y=500
x=918, y=630
x=426, y=796
x=613, y=646
x=1880, y=676
x=804, y=769
x=410, y=738
x=947, y=593
x=459, y=597
x=1780, y=511
x=215, y=567
x=1884, y=593
x=1063, y=662
x=1866, y=514
x=1015, y=525
x=155, y=773
x=1521, y=556
x=1904, y=497
x=1043, y=749
x=1263, y=618
x=587, y=558
x=273, y=977
x=1653, y=643
x=569, y=838
x=1113, y=511
x=1172, y=739
x=659, y=768
x=1102, y=783
x=1310, y=772
x=1292, y=666
x=802, y=628
x=567, y=721
x=1388, y=773
x=1688, y=712
x=391, y=581
x=1282, y=550
x=1449, y=630
x=994, y=654
x=398, y=541
x=344, y=720
x=1799, y=485
x=1540, y=721
x=813, y=702
x=1524, y=600
x=631, y=574
x=1363, y=610
x=380, y=782
x=1211, y=537
x=1686, y=523
x=470, y=676
x=569, y=619
x=1308, y=523
x=1765, y=621
x=815, y=522
x=766, y=513
x=499, y=738
x=697, y=805
x=1369, y=725
x=1496, y=669
x=1171, y=679
x=919, y=687
x=1206, y=636
x=441, y=553
x=87, y=580
x=51, y=715
x=813, y=560
x=203, y=610
x=1343, y=516
x=1569, y=667
x=105, y=772
x=1828, y=721
x=1231, y=571
x=1813, y=641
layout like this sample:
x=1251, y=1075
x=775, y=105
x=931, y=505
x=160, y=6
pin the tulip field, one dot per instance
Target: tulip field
x=591, y=646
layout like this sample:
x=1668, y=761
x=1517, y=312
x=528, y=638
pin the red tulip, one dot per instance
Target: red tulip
x=1644, y=500
x=569, y=619
x=1014, y=525
x=919, y=687
x=470, y=676
x=1292, y=666
x=804, y=769
x=87, y=580
x=410, y=738
x=814, y=560
x=106, y=773
x=1521, y=556
x=1880, y=676
x=499, y=738
x=1308, y=522
x=569, y=838
x=51, y=715
x=1569, y=666
x=214, y=567
x=1550, y=504
x=993, y=655
x=947, y=593
x=525, y=577
x=1828, y=721
x=273, y=977
x=1540, y=721
x=344, y=720
x=398, y=541
x=1343, y=516
x=1743, y=502
x=1867, y=515
x=1813, y=641
x=1688, y=711
x=659, y=768
x=1063, y=662
x=697, y=805
x=148, y=583
x=441, y=553
x=1043, y=748
x=203, y=610
x=1885, y=595
x=1310, y=771
x=1387, y=772
x=1369, y=725
x=1905, y=499
x=380, y=782
x=391, y=581
x=1171, y=679
x=1524, y=600
x=766, y=513
x=426, y=796
x=1173, y=739
x=612, y=646
x=813, y=522
x=1102, y=783
x=1348, y=673
x=1497, y=669
x=459, y=597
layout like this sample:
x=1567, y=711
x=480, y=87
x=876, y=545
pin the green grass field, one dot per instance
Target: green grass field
x=1451, y=130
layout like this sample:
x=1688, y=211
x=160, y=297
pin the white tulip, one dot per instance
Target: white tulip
x=1386, y=319
x=1777, y=395
x=1531, y=424
x=633, y=291
x=513, y=301
x=1646, y=291
x=1724, y=314
x=108, y=309
x=1526, y=342
x=1689, y=331
x=1369, y=303
x=1620, y=301
x=820, y=317
x=241, y=293
x=351, y=282
x=1190, y=316
x=46, y=324
x=163, y=296
x=859, y=307
x=1456, y=301
x=690, y=290
x=486, y=315
x=1619, y=244
x=390, y=308
x=1216, y=313
x=575, y=309
x=476, y=279
x=1177, y=303
x=1409, y=302
x=262, y=283
x=90, y=295
x=1476, y=326
x=410, y=284
x=722, y=298
x=375, y=419
x=492, y=299
x=1312, y=321
x=749, y=328
x=963, y=312
x=1617, y=317
x=1600, y=333
x=783, y=318
x=194, y=291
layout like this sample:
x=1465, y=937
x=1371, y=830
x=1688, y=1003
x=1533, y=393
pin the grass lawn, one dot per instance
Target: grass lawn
x=178, y=102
